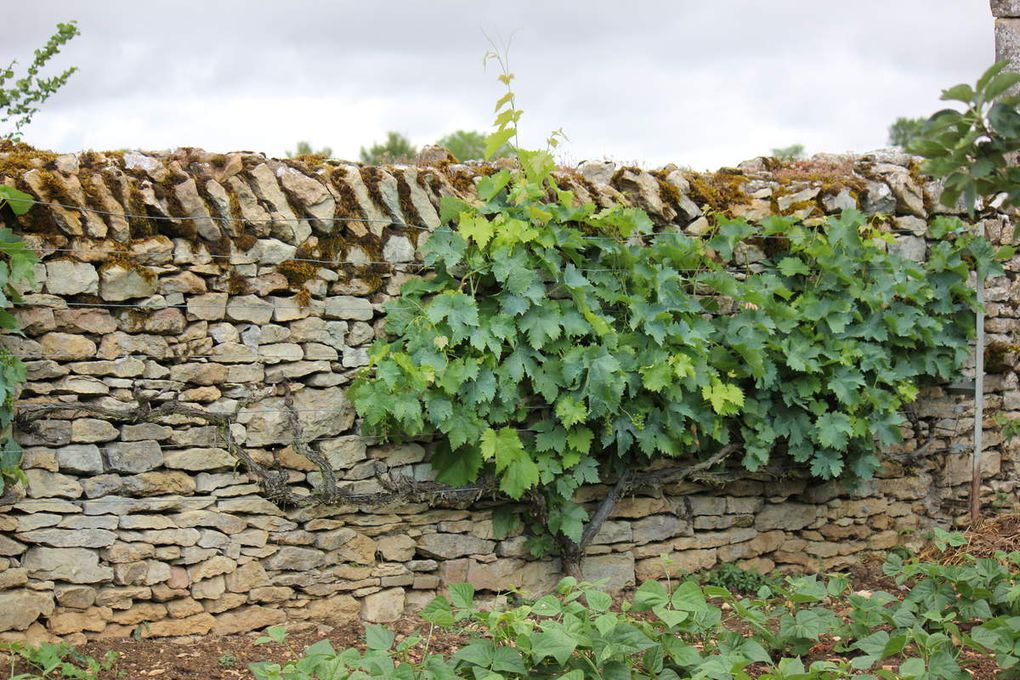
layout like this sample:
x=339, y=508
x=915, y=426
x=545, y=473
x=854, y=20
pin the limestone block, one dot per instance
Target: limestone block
x=247, y=619
x=74, y=565
x=384, y=606
x=69, y=277
x=119, y=282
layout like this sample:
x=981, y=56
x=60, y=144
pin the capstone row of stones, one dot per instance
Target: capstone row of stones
x=251, y=288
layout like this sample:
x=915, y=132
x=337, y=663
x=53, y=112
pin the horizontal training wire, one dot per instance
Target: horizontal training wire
x=54, y=407
x=210, y=499
x=233, y=357
x=213, y=218
x=157, y=307
x=750, y=268
x=337, y=263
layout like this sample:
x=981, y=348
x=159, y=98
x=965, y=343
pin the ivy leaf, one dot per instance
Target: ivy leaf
x=826, y=464
x=580, y=438
x=457, y=309
x=504, y=441
x=569, y=521
x=657, y=376
x=489, y=187
x=570, y=411
x=444, y=246
x=792, y=266
x=451, y=207
x=832, y=430
x=457, y=467
x=461, y=427
x=846, y=384
x=520, y=475
x=541, y=325
x=477, y=229
x=726, y=398
x=19, y=202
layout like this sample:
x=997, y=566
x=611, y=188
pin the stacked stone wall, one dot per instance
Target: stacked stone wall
x=249, y=290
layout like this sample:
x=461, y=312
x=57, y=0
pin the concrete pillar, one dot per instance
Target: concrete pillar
x=1007, y=31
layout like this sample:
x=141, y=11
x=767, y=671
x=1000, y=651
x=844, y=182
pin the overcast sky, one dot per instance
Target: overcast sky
x=701, y=83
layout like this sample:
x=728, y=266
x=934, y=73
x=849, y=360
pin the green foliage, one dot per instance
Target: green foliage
x=794, y=152
x=396, y=149
x=305, y=149
x=17, y=263
x=733, y=578
x=904, y=131
x=704, y=632
x=970, y=148
x=49, y=660
x=21, y=96
x=559, y=344
x=469, y=145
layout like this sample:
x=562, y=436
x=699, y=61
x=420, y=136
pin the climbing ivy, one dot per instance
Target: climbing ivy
x=556, y=344
x=971, y=149
x=17, y=263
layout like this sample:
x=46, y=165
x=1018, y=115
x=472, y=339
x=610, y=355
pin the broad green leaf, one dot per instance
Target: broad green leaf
x=19, y=202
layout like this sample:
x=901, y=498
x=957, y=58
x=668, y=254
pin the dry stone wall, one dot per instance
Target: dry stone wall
x=248, y=290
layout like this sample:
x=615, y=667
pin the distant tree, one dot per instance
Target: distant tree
x=469, y=145
x=905, y=130
x=793, y=152
x=396, y=149
x=21, y=101
x=305, y=149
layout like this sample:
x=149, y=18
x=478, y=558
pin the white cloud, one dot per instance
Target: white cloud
x=691, y=82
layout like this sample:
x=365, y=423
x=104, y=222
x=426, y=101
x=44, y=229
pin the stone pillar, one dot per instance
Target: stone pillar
x=1007, y=31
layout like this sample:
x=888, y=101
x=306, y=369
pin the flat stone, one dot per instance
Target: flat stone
x=398, y=249
x=76, y=538
x=119, y=282
x=209, y=307
x=198, y=459
x=11, y=548
x=199, y=373
x=13, y=578
x=134, y=457
x=247, y=619
x=159, y=482
x=89, y=430
x=68, y=277
x=199, y=624
x=384, y=606
x=321, y=412
x=75, y=565
x=246, y=577
x=615, y=569
x=675, y=564
x=42, y=484
x=449, y=546
x=21, y=608
x=80, y=459
x=658, y=528
x=75, y=596
x=143, y=431
x=209, y=589
x=214, y=566
x=910, y=247
x=295, y=558
x=348, y=307
x=250, y=308
x=789, y=516
x=67, y=347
